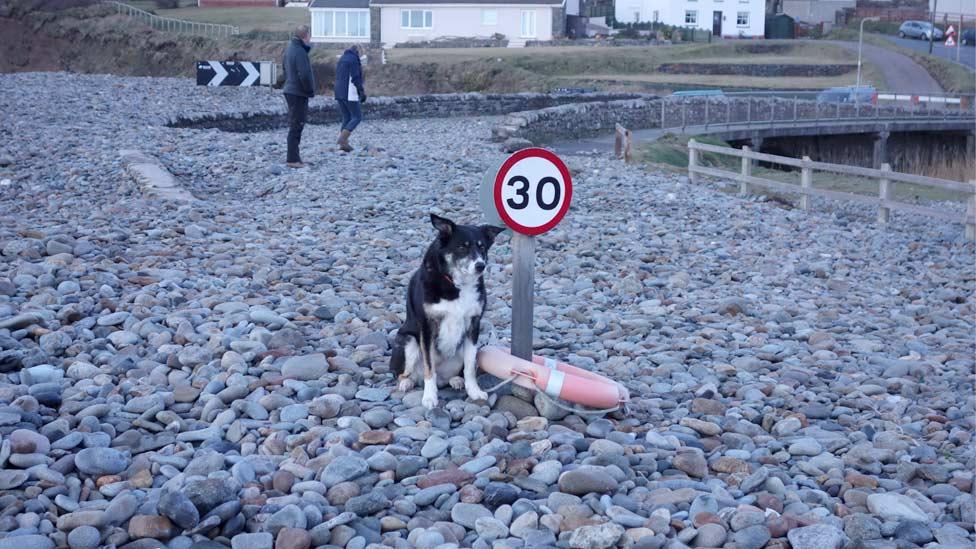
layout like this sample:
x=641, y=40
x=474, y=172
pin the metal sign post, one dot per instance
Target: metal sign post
x=523, y=282
x=530, y=193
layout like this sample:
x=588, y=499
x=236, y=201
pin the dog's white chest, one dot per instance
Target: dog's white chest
x=453, y=318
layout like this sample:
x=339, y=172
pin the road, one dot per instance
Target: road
x=967, y=54
x=900, y=72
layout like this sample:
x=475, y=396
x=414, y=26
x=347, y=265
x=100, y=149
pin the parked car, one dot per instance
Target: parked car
x=919, y=29
x=847, y=94
x=968, y=37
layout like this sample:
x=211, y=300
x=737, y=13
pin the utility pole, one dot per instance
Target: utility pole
x=935, y=5
x=959, y=39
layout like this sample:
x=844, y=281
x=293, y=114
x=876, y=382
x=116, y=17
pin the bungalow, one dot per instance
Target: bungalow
x=728, y=18
x=392, y=22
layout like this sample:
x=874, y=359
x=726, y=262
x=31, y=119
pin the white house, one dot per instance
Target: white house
x=729, y=18
x=517, y=20
x=391, y=22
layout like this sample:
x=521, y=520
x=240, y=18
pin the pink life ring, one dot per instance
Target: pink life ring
x=556, y=379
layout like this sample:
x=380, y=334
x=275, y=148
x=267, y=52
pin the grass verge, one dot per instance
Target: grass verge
x=671, y=151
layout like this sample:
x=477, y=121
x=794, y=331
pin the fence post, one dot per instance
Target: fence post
x=748, y=111
x=970, y=214
x=884, y=212
x=618, y=141
x=795, y=100
x=662, y=111
x=684, y=115
x=728, y=112
x=806, y=183
x=746, y=171
x=692, y=161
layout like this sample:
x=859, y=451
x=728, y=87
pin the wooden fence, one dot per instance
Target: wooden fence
x=886, y=178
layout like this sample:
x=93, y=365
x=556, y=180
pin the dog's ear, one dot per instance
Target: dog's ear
x=491, y=232
x=443, y=225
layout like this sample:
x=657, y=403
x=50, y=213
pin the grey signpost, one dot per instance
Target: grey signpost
x=530, y=193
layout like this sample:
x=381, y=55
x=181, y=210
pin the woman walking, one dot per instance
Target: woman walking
x=350, y=94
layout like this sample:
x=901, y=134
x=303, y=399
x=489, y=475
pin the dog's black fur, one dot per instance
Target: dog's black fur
x=445, y=302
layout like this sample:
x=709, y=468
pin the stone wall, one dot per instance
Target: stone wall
x=594, y=42
x=420, y=106
x=558, y=22
x=576, y=120
x=497, y=41
x=764, y=69
x=374, y=26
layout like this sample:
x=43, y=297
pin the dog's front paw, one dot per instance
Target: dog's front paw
x=429, y=401
x=477, y=394
x=457, y=383
x=405, y=385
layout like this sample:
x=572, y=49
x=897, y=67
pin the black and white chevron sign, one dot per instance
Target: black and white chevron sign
x=235, y=73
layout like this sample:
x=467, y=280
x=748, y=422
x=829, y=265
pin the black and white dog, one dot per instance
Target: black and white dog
x=445, y=301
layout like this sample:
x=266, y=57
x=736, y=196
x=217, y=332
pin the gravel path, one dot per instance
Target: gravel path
x=182, y=376
x=900, y=72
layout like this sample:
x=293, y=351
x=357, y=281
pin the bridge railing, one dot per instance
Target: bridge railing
x=772, y=109
x=885, y=177
x=168, y=24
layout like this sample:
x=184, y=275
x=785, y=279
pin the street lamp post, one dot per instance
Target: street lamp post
x=860, y=43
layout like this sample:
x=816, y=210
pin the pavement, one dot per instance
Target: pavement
x=901, y=73
x=967, y=54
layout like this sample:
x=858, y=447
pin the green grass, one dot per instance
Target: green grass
x=627, y=66
x=671, y=150
x=727, y=81
x=278, y=20
x=901, y=192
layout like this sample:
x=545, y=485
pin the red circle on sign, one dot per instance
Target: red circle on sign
x=567, y=186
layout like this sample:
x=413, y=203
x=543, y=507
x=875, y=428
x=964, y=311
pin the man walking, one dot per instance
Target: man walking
x=349, y=93
x=299, y=88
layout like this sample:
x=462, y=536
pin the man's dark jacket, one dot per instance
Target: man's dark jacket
x=299, y=79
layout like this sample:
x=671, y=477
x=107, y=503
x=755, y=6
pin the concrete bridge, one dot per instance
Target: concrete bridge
x=878, y=130
x=803, y=120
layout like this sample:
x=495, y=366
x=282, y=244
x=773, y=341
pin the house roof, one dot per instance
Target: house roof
x=469, y=2
x=345, y=4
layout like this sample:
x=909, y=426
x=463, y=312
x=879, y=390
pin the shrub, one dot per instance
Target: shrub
x=167, y=4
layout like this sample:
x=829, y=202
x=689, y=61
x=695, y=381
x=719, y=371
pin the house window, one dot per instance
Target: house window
x=340, y=24
x=742, y=19
x=416, y=19
x=691, y=17
x=489, y=18
x=528, y=24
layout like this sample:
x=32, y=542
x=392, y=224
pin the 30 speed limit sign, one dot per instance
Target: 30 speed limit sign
x=532, y=191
